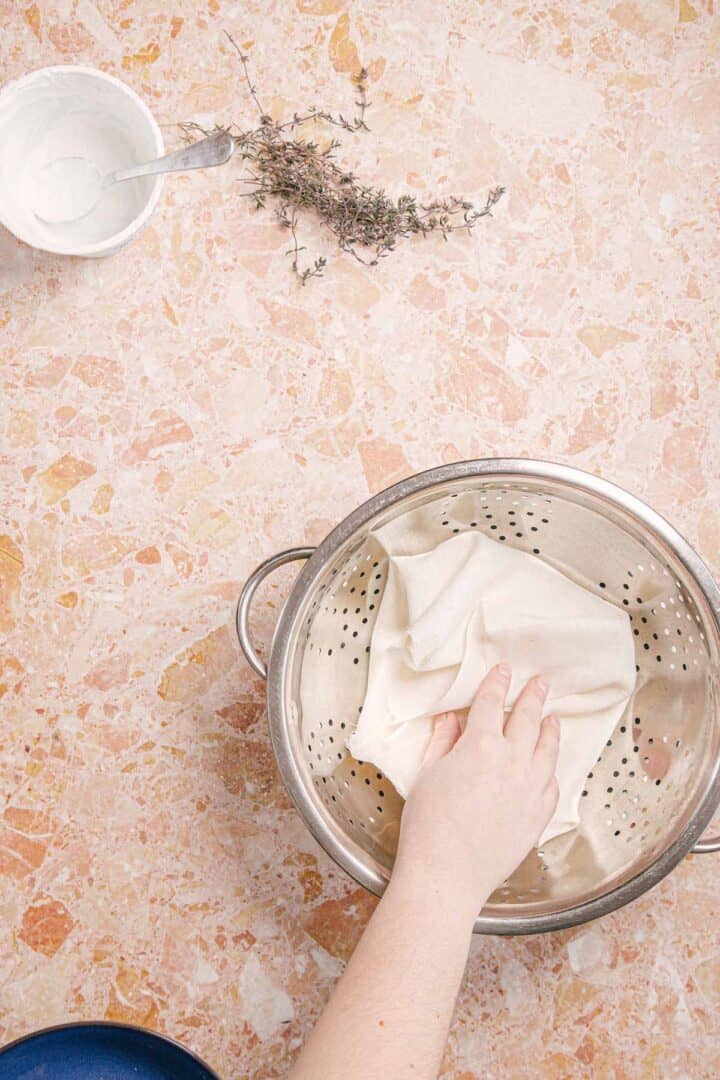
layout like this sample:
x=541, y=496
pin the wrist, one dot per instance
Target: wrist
x=418, y=891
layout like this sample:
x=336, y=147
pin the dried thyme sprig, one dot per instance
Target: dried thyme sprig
x=302, y=175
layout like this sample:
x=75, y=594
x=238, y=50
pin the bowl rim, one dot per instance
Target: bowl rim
x=117, y=240
x=280, y=658
x=75, y=1024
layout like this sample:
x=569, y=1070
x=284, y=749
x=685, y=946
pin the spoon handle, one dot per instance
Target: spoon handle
x=214, y=150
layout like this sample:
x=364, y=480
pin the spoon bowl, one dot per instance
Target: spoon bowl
x=67, y=189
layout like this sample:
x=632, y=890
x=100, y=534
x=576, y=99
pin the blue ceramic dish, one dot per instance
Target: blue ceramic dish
x=100, y=1051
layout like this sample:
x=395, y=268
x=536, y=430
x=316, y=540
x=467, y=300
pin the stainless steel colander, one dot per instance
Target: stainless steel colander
x=656, y=784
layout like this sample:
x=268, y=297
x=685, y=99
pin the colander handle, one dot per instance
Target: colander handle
x=243, y=609
x=703, y=847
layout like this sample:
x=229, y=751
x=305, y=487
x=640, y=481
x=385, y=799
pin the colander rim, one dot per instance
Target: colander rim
x=344, y=853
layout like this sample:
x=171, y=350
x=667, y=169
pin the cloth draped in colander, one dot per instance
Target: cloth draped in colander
x=449, y=613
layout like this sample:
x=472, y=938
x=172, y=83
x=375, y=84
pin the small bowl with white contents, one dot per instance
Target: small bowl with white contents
x=64, y=114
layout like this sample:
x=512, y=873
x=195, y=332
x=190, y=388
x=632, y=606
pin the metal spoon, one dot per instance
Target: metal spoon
x=70, y=188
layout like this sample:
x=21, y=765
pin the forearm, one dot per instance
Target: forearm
x=390, y=1013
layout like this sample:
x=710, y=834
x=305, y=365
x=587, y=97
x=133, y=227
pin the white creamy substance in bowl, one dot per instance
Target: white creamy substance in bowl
x=75, y=112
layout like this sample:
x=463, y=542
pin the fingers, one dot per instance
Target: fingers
x=445, y=734
x=546, y=751
x=523, y=725
x=487, y=712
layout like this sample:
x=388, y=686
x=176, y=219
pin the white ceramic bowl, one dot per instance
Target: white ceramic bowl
x=49, y=113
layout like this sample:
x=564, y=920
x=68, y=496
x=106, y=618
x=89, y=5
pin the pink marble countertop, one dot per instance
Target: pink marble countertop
x=175, y=413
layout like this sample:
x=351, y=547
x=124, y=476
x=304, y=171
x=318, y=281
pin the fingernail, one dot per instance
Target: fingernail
x=553, y=721
x=542, y=686
x=505, y=670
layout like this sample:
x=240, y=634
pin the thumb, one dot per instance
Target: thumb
x=446, y=733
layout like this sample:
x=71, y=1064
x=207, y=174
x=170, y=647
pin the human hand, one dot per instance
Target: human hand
x=482, y=798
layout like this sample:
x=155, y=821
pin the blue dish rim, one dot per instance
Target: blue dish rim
x=74, y=1024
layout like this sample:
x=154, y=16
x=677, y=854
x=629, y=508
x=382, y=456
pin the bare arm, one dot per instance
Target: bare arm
x=481, y=801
